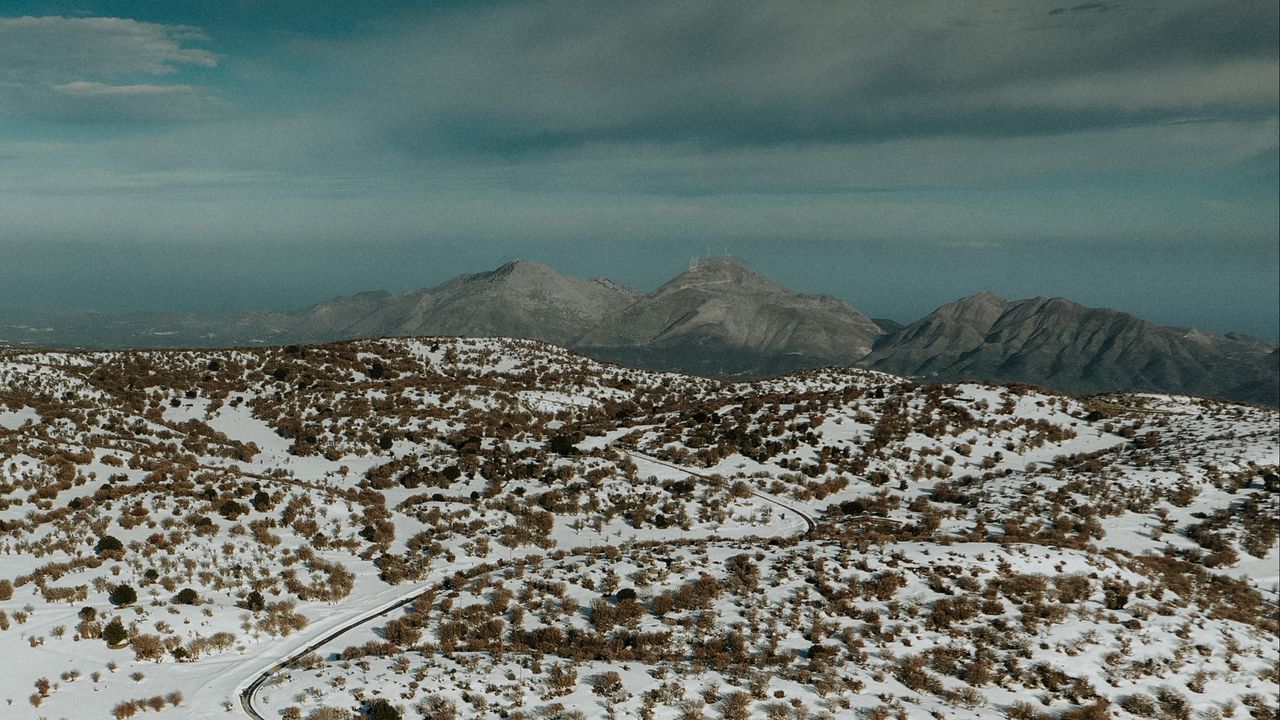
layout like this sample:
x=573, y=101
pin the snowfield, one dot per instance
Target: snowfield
x=484, y=528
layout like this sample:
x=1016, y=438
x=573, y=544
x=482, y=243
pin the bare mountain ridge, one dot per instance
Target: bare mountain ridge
x=722, y=318
x=1062, y=344
x=719, y=317
x=521, y=299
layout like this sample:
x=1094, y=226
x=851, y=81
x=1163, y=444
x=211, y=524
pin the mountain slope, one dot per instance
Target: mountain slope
x=722, y=317
x=521, y=299
x=315, y=322
x=1065, y=345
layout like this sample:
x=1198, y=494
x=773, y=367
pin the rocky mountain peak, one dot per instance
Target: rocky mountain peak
x=720, y=274
x=977, y=310
x=1064, y=344
x=984, y=299
x=722, y=317
x=519, y=268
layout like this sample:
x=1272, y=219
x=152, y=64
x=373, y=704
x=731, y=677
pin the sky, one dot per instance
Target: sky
x=175, y=155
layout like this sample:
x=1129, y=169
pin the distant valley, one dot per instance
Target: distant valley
x=721, y=318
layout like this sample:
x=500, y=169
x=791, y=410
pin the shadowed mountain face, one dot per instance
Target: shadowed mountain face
x=722, y=318
x=1065, y=345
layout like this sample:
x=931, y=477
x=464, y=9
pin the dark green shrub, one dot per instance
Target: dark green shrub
x=381, y=709
x=114, y=633
x=123, y=595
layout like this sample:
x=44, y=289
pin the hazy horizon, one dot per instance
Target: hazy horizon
x=183, y=156
x=347, y=270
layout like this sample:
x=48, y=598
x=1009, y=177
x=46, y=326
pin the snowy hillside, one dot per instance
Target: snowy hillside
x=484, y=528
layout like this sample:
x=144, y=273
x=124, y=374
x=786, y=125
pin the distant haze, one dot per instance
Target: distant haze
x=183, y=155
x=1193, y=285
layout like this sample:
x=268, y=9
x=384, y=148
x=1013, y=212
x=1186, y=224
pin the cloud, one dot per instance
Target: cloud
x=752, y=119
x=531, y=76
x=56, y=68
x=52, y=48
x=95, y=89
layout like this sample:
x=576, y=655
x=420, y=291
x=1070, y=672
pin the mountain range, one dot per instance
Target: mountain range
x=1078, y=349
x=722, y=318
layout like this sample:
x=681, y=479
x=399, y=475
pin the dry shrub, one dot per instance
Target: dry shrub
x=147, y=647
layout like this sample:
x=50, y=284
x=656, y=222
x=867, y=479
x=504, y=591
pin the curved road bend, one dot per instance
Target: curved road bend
x=250, y=690
x=246, y=695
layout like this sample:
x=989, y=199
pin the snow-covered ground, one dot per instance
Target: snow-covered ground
x=838, y=543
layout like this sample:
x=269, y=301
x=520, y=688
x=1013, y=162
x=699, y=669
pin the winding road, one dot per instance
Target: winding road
x=258, y=681
x=808, y=521
x=247, y=694
x=249, y=690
